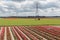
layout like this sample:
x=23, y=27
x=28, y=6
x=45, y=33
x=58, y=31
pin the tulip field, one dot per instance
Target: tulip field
x=30, y=33
x=30, y=29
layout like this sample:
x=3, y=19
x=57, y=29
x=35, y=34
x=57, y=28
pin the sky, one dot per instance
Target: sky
x=28, y=7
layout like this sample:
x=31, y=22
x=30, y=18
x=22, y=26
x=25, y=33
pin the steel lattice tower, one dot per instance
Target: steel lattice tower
x=37, y=8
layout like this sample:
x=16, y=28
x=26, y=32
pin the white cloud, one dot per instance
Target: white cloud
x=27, y=8
x=52, y=0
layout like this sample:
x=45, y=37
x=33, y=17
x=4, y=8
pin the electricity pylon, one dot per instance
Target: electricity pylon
x=37, y=8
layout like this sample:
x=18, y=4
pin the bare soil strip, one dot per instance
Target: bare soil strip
x=12, y=37
x=5, y=34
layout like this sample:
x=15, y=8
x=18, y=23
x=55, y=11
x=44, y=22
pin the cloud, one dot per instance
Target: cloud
x=49, y=5
x=42, y=6
x=36, y=0
x=18, y=0
x=28, y=8
x=11, y=9
x=14, y=0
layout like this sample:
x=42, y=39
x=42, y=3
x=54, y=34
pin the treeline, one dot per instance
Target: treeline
x=31, y=17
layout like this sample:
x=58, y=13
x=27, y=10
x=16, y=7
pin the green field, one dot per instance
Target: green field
x=23, y=21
